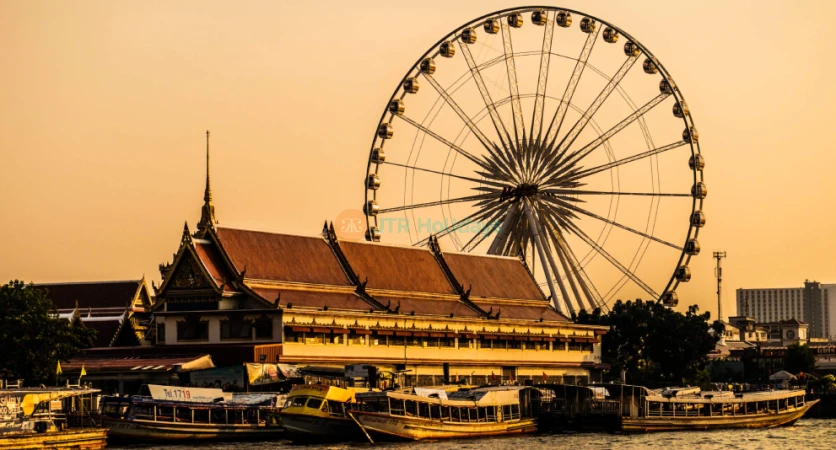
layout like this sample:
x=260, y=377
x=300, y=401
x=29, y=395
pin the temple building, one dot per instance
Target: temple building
x=117, y=310
x=319, y=300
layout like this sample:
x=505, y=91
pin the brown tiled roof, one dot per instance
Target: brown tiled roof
x=282, y=257
x=94, y=294
x=106, y=331
x=427, y=307
x=526, y=311
x=492, y=276
x=396, y=268
x=214, y=263
x=311, y=299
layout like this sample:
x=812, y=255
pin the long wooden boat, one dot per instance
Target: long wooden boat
x=690, y=409
x=189, y=414
x=36, y=419
x=489, y=411
x=320, y=412
x=76, y=439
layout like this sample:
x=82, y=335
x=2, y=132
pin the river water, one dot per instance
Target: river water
x=807, y=434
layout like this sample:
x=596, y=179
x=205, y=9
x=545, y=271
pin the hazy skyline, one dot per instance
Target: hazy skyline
x=105, y=105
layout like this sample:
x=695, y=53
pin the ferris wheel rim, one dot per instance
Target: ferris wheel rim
x=698, y=176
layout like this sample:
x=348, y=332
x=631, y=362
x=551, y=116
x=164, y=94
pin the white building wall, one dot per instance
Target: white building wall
x=772, y=305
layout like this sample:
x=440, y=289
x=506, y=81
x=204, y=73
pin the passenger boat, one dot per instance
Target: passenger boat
x=36, y=419
x=173, y=414
x=435, y=414
x=317, y=411
x=692, y=409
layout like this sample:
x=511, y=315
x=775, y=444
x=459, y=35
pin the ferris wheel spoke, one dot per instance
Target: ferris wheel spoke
x=580, y=274
x=557, y=120
x=512, y=216
x=593, y=170
x=446, y=174
x=554, y=234
x=578, y=155
x=501, y=131
x=555, y=271
x=600, y=250
x=581, y=192
x=514, y=89
x=436, y=136
x=579, y=126
x=438, y=203
x=569, y=274
x=542, y=81
x=611, y=222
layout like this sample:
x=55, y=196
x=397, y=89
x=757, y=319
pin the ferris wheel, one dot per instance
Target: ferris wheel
x=550, y=135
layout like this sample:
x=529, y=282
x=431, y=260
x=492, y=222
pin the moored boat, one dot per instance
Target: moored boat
x=36, y=419
x=174, y=413
x=317, y=411
x=480, y=412
x=691, y=409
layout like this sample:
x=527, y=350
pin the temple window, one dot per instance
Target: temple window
x=161, y=332
x=485, y=343
x=447, y=342
x=263, y=328
x=314, y=338
x=191, y=328
x=356, y=339
x=235, y=327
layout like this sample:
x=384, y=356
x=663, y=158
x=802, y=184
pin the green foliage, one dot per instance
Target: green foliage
x=799, y=358
x=653, y=344
x=824, y=385
x=32, y=338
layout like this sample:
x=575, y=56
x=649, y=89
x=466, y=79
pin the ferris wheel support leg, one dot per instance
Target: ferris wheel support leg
x=546, y=261
x=511, y=218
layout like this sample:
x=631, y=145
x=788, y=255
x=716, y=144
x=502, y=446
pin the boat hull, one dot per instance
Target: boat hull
x=121, y=429
x=77, y=439
x=647, y=424
x=308, y=427
x=408, y=428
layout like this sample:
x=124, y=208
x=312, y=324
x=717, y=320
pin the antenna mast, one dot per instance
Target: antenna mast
x=718, y=272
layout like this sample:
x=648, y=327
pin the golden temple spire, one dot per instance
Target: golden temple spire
x=207, y=215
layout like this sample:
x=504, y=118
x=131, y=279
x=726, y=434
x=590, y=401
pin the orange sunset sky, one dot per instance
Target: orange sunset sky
x=104, y=105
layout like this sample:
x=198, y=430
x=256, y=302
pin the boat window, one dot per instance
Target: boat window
x=218, y=416
x=483, y=414
x=410, y=408
x=336, y=408
x=236, y=416
x=299, y=401
x=424, y=410
x=251, y=416
x=396, y=406
x=491, y=413
x=515, y=411
x=184, y=415
x=144, y=412
x=165, y=413
x=506, y=412
x=444, y=413
x=314, y=403
x=201, y=416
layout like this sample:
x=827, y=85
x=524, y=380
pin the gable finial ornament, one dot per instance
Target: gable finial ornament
x=207, y=213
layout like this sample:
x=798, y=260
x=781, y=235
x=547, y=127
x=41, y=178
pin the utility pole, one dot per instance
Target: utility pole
x=718, y=272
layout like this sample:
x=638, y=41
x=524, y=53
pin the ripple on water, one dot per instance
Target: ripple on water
x=809, y=434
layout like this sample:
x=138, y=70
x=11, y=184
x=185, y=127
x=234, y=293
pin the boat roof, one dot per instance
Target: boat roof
x=727, y=396
x=488, y=396
x=325, y=391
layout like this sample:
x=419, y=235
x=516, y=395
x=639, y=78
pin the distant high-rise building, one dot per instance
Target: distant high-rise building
x=811, y=304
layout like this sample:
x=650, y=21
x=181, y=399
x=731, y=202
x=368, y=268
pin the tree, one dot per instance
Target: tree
x=653, y=344
x=32, y=336
x=799, y=358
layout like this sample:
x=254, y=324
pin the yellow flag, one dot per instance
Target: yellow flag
x=83, y=372
x=58, y=370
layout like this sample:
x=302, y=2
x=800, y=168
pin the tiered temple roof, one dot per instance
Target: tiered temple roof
x=282, y=271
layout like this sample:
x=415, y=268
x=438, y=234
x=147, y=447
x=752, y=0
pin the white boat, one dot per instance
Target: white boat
x=489, y=411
